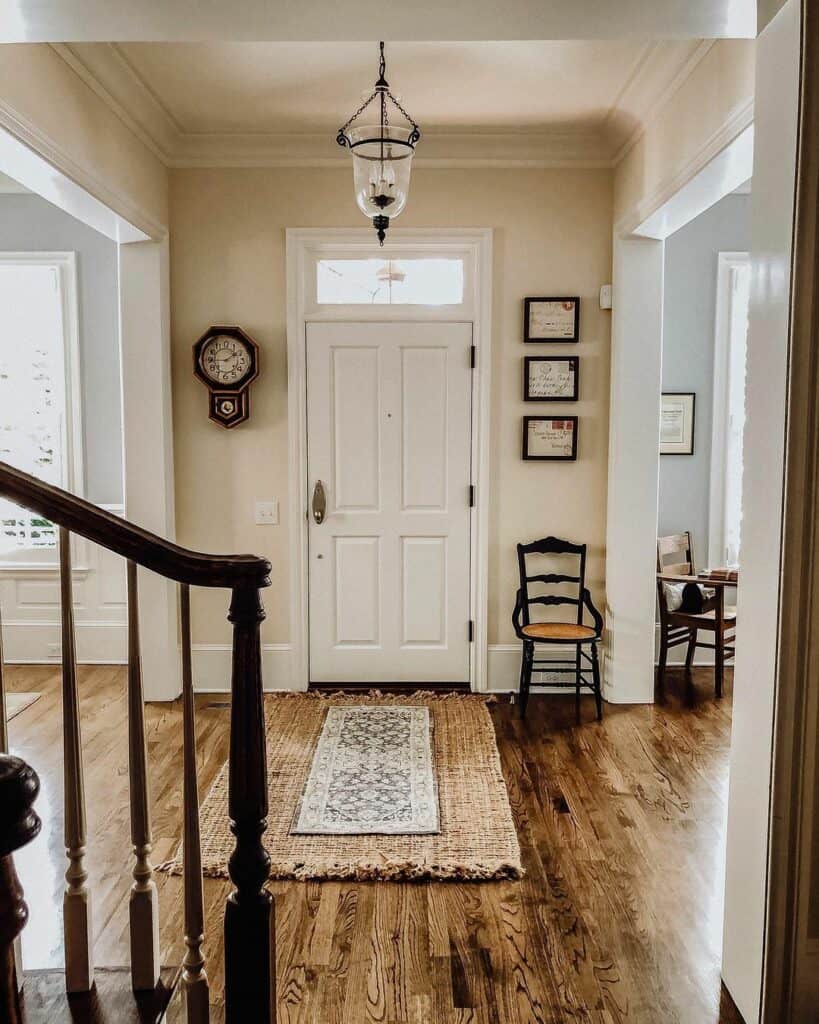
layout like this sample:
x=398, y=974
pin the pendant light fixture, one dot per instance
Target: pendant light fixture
x=382, y=156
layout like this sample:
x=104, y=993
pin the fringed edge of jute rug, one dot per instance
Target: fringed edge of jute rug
x=383, y=871
x=377, y=869
x=387, y=698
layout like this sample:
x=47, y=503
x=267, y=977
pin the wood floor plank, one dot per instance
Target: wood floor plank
x=617, y=921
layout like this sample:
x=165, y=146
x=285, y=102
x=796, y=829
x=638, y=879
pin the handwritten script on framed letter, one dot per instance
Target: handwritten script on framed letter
x=550, y=437
x=551, y=319
x=550, y=378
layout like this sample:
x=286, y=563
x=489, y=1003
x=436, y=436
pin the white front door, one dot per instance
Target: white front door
x=388, y=427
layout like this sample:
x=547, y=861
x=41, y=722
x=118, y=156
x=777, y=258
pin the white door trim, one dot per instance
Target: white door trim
x=304, y=245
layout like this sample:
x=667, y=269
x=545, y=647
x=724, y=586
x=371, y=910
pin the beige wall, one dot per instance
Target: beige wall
x=719, y=88
x=42, y=92
x=552, y=234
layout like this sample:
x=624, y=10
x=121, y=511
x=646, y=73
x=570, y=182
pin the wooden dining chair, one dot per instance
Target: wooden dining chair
x=555, y=589
x=675, y=558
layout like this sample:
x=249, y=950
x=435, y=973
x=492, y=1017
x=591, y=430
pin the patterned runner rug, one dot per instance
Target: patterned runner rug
x=475, y=837
x=372, y=773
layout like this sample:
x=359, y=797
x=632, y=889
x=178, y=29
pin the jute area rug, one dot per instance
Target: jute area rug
x=477, y=838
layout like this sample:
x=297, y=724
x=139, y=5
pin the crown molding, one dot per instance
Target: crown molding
x=436, y=149
x=655, y=82
x=653, y=79
x=130, y=218
x=738, y=120
x=106, y=71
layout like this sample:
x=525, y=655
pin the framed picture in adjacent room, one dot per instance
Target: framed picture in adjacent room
x=550, y=437
x=551, y=319
x=677, y=423
x=551, y=378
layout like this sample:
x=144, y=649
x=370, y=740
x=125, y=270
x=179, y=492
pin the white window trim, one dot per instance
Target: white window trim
x=727, y=263
x=65, y=264
x=304, y=247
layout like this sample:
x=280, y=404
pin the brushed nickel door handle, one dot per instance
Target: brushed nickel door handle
x=319, y=503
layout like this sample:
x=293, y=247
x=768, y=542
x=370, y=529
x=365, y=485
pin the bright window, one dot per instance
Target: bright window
x=36, y=296
x=412, y=282
x=738, y=337
x=730, y=342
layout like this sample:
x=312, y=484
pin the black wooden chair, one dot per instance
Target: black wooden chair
x=571, y=590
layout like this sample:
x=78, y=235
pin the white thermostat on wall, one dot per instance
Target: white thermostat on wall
x=605, y=297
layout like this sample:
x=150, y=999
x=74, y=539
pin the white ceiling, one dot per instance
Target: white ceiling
x=306, y=87
x=539, y=102
x=183, y=20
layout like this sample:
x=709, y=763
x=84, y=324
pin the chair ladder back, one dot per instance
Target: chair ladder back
x=551, y=546
x=675, y=554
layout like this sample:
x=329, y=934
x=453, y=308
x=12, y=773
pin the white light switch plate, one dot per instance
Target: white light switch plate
x=267, y=513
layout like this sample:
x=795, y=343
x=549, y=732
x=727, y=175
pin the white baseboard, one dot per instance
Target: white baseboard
x=103, y=643
x=212, y=666
x=32, y=642
x=503, y=670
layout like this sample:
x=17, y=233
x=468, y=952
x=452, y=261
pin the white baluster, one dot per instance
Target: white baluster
x=144, y=904
x=79, y=962
x=194, y=976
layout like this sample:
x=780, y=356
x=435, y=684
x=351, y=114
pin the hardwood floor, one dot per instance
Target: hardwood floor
x=622, y=830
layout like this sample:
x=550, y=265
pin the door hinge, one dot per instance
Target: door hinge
x=472, y=355
x=471, y=630
x=471, y=495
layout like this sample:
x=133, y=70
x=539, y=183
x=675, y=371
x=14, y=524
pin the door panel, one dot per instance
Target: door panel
x=424, y=428
x=388, y=424
x=355, y=420
x=356, y=571
x=423, y=593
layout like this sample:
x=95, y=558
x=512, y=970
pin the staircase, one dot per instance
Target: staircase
x=144, y=991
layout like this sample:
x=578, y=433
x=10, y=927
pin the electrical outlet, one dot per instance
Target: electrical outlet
x=54, y=650
x=267, y=513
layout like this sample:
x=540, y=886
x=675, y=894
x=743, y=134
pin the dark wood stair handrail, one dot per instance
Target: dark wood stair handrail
x=133, y=542
x=250, y=978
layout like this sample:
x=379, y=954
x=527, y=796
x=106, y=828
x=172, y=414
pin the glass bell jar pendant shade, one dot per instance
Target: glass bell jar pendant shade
x=382, y=158
x=381, y=169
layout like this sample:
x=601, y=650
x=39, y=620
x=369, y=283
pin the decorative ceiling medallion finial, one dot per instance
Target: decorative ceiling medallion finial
x=382, y=156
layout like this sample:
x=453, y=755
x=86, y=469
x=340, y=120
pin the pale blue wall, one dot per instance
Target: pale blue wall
x=688, y=356
x=30, y=224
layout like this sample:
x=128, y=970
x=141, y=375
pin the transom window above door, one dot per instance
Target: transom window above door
x=430, y=281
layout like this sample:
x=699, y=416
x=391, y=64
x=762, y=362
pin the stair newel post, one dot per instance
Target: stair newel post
x=143, y=906
x=19, y=824
x=194, y=976
x=250, y=964
x=4, y=749
x=79, y=959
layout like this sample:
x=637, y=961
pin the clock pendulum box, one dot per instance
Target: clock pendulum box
x=226, y=360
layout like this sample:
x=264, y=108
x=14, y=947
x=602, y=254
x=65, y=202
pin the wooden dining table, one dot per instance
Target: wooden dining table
x=720, y=584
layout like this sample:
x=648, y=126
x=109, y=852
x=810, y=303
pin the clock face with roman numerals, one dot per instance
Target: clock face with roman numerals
x=225, y=360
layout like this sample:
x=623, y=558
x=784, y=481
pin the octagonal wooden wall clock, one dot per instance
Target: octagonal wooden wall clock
x=226, y=360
